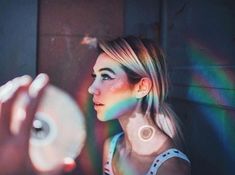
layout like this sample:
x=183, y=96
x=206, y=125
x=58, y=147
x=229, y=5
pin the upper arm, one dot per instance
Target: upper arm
x=175, y=166
x=106, y=150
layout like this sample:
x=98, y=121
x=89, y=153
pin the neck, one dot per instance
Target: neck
x=134, y=144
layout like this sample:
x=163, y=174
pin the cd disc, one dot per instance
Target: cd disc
x=58, y=130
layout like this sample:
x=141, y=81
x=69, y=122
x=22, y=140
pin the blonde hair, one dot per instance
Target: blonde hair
x=142, y=58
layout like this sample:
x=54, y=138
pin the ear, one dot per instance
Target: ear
x=143, y=87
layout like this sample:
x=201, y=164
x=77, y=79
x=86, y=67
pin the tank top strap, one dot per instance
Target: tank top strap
x=113, y=143
x=160, y=159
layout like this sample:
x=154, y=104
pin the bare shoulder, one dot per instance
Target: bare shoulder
x=106, y=144
x=175, y=166
x=106, y=147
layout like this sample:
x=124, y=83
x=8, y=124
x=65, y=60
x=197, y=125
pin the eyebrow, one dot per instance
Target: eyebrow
x=107, y=69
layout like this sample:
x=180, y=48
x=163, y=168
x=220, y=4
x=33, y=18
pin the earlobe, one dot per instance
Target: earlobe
x=143, y=87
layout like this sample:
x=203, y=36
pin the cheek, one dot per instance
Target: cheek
x=121, y=101
x=119, y=91
x=118, y=100
x=119, y=86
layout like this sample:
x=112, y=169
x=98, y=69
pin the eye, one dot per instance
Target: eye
x=106, y=77
x=93, y=75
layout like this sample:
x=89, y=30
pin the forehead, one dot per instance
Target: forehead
x=105, y=61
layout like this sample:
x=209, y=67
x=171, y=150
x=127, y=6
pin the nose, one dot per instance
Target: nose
x=93, y=89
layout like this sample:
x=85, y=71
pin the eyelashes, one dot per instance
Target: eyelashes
x=103, y=76
x=106, y=77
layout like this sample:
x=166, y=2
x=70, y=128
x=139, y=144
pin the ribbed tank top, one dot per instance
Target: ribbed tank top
x=158, y=161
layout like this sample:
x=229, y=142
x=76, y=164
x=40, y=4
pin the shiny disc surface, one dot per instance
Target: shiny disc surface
x=58, y=130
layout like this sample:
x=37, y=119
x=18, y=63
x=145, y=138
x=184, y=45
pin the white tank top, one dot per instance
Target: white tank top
x=158, y=161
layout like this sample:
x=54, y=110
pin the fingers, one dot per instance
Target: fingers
x=35, y=93
x=65, y=167
x=8, y=94
x=69, y=164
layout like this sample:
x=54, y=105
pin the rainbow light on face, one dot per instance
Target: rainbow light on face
x=119, y=108
x=97, y=133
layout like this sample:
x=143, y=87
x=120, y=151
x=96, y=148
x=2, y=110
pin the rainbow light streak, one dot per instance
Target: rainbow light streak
x=203, y=62
x=207, y=76
x=92, y=152
x=118, y=108
x=205, y=93
x=125, y=167
x=97, y=132
x=212, y=85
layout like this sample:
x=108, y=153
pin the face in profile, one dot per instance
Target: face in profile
x=113, y=95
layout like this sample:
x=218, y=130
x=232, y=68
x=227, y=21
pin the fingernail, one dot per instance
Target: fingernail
x=25, y=80
x=37, y=84
x=6, y=91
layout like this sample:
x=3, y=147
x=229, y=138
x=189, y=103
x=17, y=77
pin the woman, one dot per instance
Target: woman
x=130, y=84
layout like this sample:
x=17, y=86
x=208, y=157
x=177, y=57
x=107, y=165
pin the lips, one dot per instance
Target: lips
x=97, y=104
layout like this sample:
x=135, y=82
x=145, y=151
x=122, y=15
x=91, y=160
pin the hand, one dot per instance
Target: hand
x=14, y=155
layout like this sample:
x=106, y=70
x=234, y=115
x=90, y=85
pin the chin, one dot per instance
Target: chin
x=101, y=117
x=104, y=118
